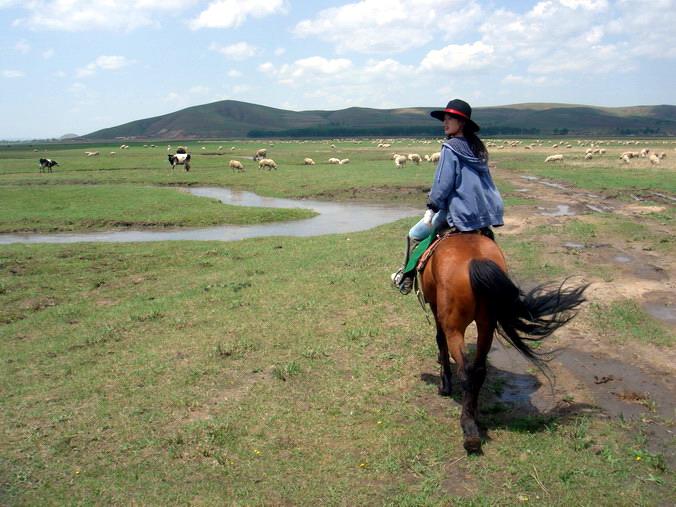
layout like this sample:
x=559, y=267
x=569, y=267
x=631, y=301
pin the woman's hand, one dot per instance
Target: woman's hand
x=427, y=218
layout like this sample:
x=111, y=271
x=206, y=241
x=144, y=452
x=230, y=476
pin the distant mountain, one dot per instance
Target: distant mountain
x=68, y=136
x=233, y=119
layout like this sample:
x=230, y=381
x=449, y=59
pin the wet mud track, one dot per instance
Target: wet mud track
x=629, y=381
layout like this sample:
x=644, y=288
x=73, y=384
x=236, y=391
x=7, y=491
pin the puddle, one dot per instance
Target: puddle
x=334, y=218
x=661, y=305
x=599, y=210
x=661, y=311
x=522, y=190
x=575, y=246
x=623, y=258
x=664, y=196
x=555, y=185
x=562, y=210
x=625, y=391
x=532, y=178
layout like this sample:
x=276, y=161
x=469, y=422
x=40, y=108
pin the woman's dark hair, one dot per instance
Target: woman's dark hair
x=477, y=145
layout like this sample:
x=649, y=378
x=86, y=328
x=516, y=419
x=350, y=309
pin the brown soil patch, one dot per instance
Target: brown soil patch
x=632, y=380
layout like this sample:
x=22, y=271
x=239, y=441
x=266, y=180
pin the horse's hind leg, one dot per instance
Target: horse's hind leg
x=473, y=379
x=445, y=368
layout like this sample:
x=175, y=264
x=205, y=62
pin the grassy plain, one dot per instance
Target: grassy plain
x=281, y=370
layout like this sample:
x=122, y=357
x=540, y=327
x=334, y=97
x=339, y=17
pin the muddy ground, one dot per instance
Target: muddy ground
x=633, y=381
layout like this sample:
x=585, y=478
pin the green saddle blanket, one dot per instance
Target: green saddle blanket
x=418, y=251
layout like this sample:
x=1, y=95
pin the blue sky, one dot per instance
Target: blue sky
x=76, y=66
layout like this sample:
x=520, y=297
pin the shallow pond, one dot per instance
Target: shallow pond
x=334, y=218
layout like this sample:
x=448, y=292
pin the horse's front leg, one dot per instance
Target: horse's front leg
x=445, y=388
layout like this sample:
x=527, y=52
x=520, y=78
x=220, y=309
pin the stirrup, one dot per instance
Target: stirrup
x=397, y=277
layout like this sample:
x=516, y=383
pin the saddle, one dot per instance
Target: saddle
x=421, y=254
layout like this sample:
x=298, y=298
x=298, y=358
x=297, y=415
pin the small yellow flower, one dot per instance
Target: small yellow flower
x=362, y=465
x=638, y=458
x=257, y=451
x=380, y=422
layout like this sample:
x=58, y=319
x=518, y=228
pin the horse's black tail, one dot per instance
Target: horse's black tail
x=523, y=316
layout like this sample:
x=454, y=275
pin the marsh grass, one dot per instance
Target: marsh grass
x=272, y=370
x=76, y=208
x=260, y=377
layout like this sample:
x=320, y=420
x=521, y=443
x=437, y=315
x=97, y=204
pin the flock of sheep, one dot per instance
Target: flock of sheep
x=594, y=149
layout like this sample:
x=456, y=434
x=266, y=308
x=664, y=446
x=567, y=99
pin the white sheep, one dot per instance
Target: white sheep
x=554, y=158
x=654, y=159
x=267, y=162
x=344, y=161
x=415, y=158
x=236, y=165
x=400, y=161
x=92, y=153
x=434, y=157
x=260, y=154
x=624, y=159
x=588, y=156
x=308, y=161
x=334, y=161
x=644, y=152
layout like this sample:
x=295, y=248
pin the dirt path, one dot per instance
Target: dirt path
x=633, y=380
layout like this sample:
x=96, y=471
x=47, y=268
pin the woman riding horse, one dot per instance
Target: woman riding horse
x=465, y=277
x=463, y=195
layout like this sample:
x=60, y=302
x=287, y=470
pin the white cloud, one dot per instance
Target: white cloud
x=233, y=13
x=11, y=74
x=84, y=15
x=387, y=26
x=22, y=47
x=237, y=51
x=48, y=53
x=234, y=73
x=105, y=63
x=199, y=90
x=76, y=88
x=460, y=58
x=590, y=5
x=307, y=69
x=511, y=79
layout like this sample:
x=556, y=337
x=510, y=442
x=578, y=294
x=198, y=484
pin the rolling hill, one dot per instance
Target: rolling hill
x=233, y=119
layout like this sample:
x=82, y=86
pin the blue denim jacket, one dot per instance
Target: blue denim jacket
x=463, y=188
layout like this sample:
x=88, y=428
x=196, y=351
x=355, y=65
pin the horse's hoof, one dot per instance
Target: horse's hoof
x=473, y=445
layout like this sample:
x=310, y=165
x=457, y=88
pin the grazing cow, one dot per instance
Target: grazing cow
x=179, y=159
x=47, y=164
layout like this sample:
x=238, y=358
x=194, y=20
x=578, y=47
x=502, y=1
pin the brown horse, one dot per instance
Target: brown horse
x=466, y=280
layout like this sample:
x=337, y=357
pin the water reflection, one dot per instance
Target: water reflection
x=333, y=218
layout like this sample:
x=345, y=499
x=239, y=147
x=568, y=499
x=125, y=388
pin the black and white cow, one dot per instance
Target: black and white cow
x=47, y=164
x=179, y=159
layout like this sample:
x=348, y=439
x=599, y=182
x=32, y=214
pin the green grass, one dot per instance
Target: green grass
x=77, y=208
x=273, y=370
x=624, y=320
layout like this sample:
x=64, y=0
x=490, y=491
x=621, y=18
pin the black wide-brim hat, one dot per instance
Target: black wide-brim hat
x=459, y=109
